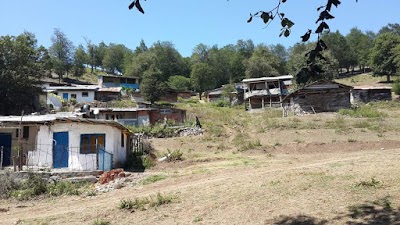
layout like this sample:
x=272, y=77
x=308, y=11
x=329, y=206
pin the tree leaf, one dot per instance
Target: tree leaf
x=131, y=5
x=325, y=15
x=306, y=36
x=265, y=17
x=321, y=27
x=250, y=19
x=287, y=33
x=139, y=7
x=332, y=2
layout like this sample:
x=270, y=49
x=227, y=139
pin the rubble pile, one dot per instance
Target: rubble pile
x=189, y=131
x=116, y=179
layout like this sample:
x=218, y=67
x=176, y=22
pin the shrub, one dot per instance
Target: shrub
x=221, y=103
x=7, y=185
x=373, y=183
x=364, y=111
x=174, y=155
x=145, y=203
x=148, y=162
x=153, y=179
x=396, y=88
x=101, y=222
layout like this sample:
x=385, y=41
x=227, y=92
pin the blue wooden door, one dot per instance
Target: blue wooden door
x=5, y=141
x=65, y=96
x=60, y=149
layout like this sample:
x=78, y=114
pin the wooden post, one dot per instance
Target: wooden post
x=19, y=162
x=262, y=102
x=1, y=157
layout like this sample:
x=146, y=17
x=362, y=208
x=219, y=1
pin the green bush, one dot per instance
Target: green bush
x=174, y=155
x=221, y=103
x=364, y=111
x=396, y=88
x=148, y=162
x=145, y=203
x=7, y=185
x=153, y=179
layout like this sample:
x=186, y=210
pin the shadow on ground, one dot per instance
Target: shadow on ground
x=379, y=212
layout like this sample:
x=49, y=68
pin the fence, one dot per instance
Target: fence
x=39, y=157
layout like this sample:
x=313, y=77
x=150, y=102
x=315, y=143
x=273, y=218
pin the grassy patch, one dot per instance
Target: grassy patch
x=175, y=155
x=101, y=222
x=373, y=183
x=153, y=178
x=243, y=142
x=363, y=111
x=145, y=203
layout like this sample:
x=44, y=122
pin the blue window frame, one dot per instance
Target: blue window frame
x=91, y=142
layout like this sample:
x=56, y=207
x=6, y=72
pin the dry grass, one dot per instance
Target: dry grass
x=317, y=169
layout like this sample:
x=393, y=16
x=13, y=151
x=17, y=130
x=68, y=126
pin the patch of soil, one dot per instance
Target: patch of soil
x=333, y=147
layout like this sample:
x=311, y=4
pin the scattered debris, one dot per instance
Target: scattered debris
x=117, y=179
x=189, y=131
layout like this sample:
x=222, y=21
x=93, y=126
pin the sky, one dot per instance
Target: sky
x=185, y=23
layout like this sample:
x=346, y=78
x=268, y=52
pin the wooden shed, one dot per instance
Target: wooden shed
x=320, y=96
x=364, y=94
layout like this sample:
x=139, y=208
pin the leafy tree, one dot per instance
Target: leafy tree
x=21, y=67
x=140, y=63
x=262, y=63
x=99, y=54
x=202, y=78
x=61, y=52
x=79, y=61
x=361, y=45
x=282, y=54
x=141, y=48
x=179, y=83
x=382, y=54
x=152, y=86
x=390, y=28
x=327, y=69
x=113, y=60
x=168, y=59
x=340, y=49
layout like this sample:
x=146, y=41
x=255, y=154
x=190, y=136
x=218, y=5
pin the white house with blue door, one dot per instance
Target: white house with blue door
x=66, y=142
x=81, y=93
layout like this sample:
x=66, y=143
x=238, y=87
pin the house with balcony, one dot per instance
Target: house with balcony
x=266, y=92
x=112, y=81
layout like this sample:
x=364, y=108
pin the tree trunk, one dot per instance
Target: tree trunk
x=388, y=78
x=92, y=69
x=200, y=95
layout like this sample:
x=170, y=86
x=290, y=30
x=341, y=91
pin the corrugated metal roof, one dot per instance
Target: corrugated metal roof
x=74, y=88
x=110, y=89
x=285, y=77
x=59, y=117
x=366, y=87
x=122, y=109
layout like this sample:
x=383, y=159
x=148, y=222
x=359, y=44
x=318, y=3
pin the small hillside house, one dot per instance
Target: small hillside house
x=81, y=93
x=320, y=96
x=266, y=92
x=139, y=116
x=235, y=96
x=364, y=94
x=108, y=81
x=61, y=141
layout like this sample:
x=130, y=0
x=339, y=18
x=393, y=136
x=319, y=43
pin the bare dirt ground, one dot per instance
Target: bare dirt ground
x=253, y=188
x=254, y=169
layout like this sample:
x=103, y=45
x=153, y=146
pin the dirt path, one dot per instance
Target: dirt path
x=81, y=210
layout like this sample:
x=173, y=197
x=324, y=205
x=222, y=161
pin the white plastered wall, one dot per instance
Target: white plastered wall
x=43, y=155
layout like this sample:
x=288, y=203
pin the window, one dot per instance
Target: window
x=25, y=132
x=85, y=94
x=165, y=111
x=73, y=96
x=122, y=140
x=90, y=143
x=17, y=133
